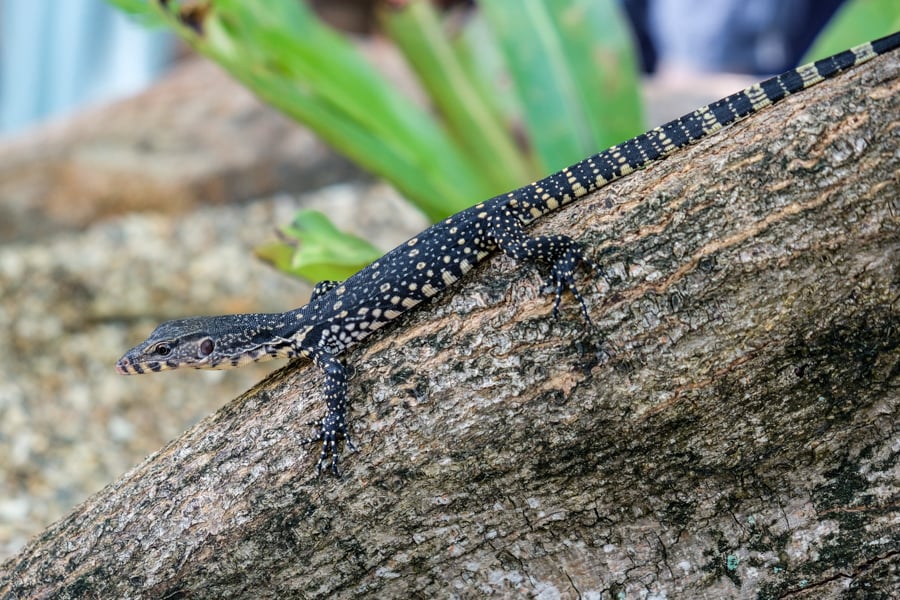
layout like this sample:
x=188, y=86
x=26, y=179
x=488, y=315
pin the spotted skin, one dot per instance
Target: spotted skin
x=341, y=314
x=323, y=287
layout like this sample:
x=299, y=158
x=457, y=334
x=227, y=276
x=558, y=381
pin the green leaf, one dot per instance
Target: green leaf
x=420, y=35
x=856, y=22
x=281, y=51
x=141, y=11
x=573, y=67
x=478, y=53
x=314, y=249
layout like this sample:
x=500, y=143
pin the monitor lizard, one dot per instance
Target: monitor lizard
x=341, y=314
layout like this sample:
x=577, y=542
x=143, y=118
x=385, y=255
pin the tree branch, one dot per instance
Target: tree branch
x=727, y=428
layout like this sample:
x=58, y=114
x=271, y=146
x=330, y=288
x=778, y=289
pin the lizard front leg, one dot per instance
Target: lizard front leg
x=333, y=425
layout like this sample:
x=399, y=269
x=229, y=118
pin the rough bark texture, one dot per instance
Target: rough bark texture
x=728, y=428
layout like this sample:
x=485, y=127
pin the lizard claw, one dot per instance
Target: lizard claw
x=331, y=430
x=562, y=276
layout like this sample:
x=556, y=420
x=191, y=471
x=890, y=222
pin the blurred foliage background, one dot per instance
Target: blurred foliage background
x=513, y=91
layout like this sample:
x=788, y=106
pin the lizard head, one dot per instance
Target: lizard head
x=205, y=343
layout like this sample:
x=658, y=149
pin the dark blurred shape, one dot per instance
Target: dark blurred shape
x=757, y=37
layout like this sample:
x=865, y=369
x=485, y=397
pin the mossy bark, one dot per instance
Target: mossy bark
x=727, y=428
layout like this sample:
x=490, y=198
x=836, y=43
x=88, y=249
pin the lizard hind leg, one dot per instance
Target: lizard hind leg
x=561, y=252
x=562, y=272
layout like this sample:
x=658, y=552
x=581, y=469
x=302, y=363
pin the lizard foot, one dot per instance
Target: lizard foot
x=562, y=276
x=331, y=430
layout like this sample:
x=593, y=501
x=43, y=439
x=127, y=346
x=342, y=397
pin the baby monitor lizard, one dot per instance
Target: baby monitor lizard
x=341, y=314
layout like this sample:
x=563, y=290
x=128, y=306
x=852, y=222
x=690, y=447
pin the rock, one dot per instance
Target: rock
x=196, y=137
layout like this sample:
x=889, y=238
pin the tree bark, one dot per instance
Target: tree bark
x=727, y=428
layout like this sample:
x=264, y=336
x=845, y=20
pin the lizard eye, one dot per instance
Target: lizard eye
x=206, y=347
x=163, y=349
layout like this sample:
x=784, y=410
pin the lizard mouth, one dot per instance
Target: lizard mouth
x=124, y=367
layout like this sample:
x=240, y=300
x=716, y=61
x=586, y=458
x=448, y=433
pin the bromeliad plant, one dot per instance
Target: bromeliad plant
x=516, y=89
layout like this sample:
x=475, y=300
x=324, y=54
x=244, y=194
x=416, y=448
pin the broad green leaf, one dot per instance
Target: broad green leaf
x=856, y=22
x=574, y=70
x=315, y=249
x=418, y=32
x=478, y=53
x=286, y=56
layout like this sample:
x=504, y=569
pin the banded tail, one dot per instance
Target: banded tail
x=600, y=169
